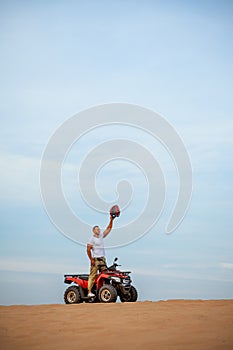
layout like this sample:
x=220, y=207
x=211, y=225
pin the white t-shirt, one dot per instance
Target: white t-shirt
x=97, y=245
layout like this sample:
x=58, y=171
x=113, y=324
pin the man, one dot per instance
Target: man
x=96, y=253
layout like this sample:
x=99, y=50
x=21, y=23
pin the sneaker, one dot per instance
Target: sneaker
x=91, y=295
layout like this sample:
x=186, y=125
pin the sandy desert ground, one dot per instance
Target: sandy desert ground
x=174, y=324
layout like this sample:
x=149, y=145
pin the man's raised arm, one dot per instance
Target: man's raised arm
x=109, y=227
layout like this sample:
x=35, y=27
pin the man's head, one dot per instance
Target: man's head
x=96, y=230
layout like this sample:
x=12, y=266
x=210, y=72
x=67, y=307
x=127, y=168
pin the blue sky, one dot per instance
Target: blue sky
x=58, y=58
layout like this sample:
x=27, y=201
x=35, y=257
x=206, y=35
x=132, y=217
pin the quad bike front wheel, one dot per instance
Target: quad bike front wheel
x=107, y=294
x=72, y=295
x=131, y=296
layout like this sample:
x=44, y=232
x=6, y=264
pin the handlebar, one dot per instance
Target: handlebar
x=114, y=265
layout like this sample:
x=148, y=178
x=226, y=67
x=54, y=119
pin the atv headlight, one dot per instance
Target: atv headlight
x=126, y=281
x=116, y=279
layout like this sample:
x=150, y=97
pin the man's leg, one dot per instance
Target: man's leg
x=92, y=276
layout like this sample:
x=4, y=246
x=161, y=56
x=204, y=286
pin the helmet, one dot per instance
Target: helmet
x=115, y=211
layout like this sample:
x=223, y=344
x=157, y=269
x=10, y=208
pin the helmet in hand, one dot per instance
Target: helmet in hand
x=115, y=211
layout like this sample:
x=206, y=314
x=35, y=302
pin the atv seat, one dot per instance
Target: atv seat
x=84, y=277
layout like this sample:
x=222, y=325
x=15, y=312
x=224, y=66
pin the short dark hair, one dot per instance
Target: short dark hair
x=93, y=228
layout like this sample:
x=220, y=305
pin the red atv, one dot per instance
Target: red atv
x=108, y=285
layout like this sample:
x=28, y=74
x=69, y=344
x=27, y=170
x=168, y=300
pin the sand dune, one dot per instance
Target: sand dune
x=174, y=324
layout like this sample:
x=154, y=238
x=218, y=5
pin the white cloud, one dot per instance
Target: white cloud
x=190, y=272
x=38, y=266
x=227, y=265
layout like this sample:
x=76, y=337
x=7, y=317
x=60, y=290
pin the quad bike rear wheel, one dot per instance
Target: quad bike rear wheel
x=131, y=296
x=107, y=294
x=72, y=295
